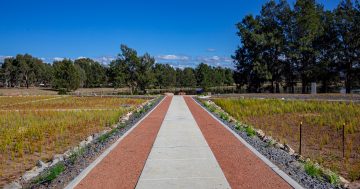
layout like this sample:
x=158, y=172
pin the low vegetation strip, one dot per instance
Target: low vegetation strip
x=12, y=100
x=71, y=102
x=30, y=135
x=241, y=167
x=322, y=124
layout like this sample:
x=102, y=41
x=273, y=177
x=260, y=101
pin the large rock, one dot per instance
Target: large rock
x=267, y=139
x=34, y=172
x=279, y=145
x=288, y=149
x=56, y=159
x=260, y=134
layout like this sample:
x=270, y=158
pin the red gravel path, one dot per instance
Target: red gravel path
x=122, y=167
x=241, y=167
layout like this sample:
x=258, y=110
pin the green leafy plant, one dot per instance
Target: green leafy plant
x=224, y=116
x=312, y=169
x=333, y=178
x=250, y=131
x=50, y=174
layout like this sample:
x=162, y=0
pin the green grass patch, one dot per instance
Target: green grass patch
x=312, y=170
x=51, y=174
x=333, y=178
x=73, y=157
x=250, y=131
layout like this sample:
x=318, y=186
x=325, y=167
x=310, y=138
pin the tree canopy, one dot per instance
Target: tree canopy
x=286, y=45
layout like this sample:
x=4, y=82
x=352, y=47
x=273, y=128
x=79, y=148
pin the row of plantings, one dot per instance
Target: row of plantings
x=28, y=134
x=11, y=100
x=71, y=102
x=323, y=138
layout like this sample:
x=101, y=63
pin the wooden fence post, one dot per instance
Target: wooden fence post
x=343, y=139
x=300, y=138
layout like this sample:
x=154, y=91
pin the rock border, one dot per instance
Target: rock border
x=280, y=154
x=87, y=150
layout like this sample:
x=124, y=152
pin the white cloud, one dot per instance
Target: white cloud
x=210, y=50
x=172, y=57
x=215, y=61
x=80, y=57
x=58, y=59
x=104, y=59
x=2, y=58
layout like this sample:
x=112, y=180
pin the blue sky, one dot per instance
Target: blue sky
x=182, y=32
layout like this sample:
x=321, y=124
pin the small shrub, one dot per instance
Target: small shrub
x=62, y=91
x=224, y=116
x=73, y=157
x=51, y=174
x=312, y=169
x=333, y=178
x=212, y=108
x=250, y=131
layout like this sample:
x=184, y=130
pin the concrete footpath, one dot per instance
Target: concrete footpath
x=180, y=156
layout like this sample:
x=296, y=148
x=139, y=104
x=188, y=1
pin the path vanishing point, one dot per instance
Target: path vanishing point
x=180, y=145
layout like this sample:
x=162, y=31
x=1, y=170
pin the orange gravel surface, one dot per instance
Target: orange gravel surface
x=122, y=167
x=241, y=167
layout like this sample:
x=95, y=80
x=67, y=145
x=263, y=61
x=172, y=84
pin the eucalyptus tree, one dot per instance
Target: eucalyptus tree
x=307, y=28
x=347, y=26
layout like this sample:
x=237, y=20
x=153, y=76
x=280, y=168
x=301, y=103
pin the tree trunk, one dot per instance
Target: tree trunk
x=348, y=82
x=277, y=87
x=303, y=87
x=272, y=86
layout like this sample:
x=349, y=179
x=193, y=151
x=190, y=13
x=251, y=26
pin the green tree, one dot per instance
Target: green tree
x=327, y=46
x=272, y=19
x=188, y=78
x=165, y=76
x=204, y=76
x=66, y=76
x=95, y=73
x=132, y=71
x=307, y=28
x=250, y=68
x=347, y=26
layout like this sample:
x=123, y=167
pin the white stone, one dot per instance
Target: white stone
x=56, y=159
x=13, y=185
x=41, y=164
x=260, y=133
x=89, y=138
x=82, y=144
x=34, y=172
x=279, y=145
x=67, y=153
x=288, y=149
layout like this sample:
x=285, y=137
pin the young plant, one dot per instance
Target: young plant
x=312, y=169
x=250, y=131
x=51, y=174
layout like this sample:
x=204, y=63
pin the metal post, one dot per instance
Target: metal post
x=300, y=138
x=343, y=139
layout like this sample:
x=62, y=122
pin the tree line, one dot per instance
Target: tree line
x=136, y=72
x=285, y=45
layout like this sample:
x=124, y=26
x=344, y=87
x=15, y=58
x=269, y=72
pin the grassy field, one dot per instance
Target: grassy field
x=322, y=128
x=38, y=127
